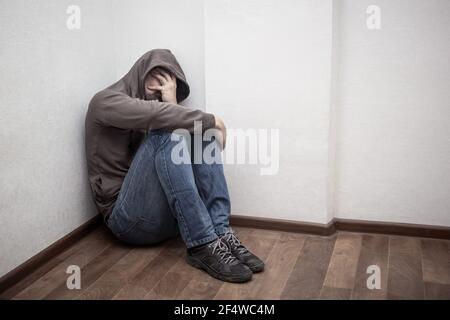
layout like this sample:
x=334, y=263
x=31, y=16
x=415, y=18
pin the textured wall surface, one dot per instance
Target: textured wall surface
x=47, y=76
x=268, y=66
x=393, y=112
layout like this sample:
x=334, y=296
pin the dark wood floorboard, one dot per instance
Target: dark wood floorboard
x=374, y=252
x=329, y=293
x=436, y=261
x=141, y=284
x=81, y=256
x=173, y=283
x=405, y=269
x=49, y=265
x=279, y=265
x=344, y=261
x=297, y=267
x=109, y=284
x=437, y=291
x=307, y=277
x=91, y=271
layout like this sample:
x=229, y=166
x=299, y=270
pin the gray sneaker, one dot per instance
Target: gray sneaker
x=217, y=259
x=242, y=253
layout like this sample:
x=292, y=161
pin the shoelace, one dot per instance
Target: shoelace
x=223, y=251
x=236, y=243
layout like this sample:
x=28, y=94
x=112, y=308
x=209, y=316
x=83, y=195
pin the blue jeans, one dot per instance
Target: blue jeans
x=160, y=199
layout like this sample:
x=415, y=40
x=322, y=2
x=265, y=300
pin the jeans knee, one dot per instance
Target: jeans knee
x=172, y=139
x=156, y=138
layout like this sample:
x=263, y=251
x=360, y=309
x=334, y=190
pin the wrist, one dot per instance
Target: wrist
x=173, y=101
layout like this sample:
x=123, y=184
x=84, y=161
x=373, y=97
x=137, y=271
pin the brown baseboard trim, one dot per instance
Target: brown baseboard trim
x=283, y=225
x=393, y=228
x=17, y=274
x=402, y=229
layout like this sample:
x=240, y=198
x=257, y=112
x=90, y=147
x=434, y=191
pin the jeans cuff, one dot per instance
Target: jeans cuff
x=196, y=243
x=221, y=231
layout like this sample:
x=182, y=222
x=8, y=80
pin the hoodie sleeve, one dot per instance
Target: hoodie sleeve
x=118, y=110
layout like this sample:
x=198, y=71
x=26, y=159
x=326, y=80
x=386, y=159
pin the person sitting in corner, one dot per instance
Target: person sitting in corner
x=144, y=197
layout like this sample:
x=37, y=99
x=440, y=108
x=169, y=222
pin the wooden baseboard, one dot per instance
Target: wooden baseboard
x=283, y=225
x=329, y=229
x=391, y=228
x=45, y=255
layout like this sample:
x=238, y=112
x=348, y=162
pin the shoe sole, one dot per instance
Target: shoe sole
x=200, y=265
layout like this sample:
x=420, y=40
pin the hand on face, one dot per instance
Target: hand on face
x=160, y=80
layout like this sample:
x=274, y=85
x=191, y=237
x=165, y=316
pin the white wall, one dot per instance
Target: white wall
x=268, y=65
x=47, y=77
x=393, y=151
x=142, y=25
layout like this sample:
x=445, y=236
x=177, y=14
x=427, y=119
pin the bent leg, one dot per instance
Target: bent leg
x=159, y=197
x=178, y=183
x=212, y=187
x=142, y=214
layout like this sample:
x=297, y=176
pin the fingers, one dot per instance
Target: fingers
x=161, y=79
x=224, y=139
x=221, y=136
x=159, y=88
x=166, y=75
x=219, y=140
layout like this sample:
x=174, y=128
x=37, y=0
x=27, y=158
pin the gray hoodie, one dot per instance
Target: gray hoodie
x=119, y=117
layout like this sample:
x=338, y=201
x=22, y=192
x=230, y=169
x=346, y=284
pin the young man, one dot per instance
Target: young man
x=143, y=195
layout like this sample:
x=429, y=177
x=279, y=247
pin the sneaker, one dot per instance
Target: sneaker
x=216, y=259
x=242, y=253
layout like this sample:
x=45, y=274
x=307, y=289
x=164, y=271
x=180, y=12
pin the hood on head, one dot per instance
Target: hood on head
x=133, y=83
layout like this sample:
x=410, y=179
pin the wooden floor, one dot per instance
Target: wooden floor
x=297, y=267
